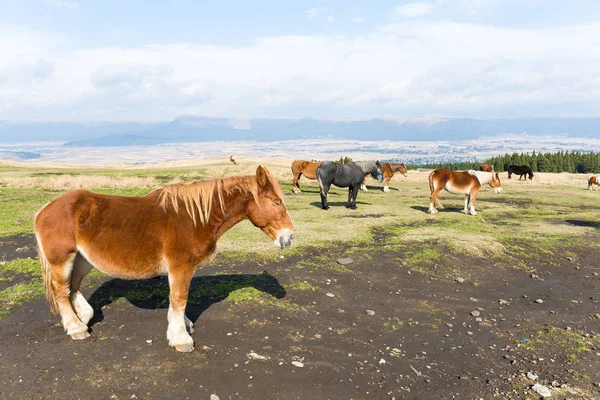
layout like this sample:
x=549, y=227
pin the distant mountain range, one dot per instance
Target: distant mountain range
x=201, y=129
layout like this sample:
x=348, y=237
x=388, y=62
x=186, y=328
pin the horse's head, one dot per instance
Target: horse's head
x=495, y=182
x=376, y=173
x=268, y=211
x=530, y=175
x=402, y=169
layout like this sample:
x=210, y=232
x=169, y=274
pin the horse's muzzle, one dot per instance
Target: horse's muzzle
x=284, y=238
x=497, y=190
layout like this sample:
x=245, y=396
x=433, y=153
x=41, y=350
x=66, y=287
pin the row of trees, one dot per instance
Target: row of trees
x=561, y=161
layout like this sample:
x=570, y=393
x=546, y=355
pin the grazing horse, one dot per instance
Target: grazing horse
x=520, y=170
x=348, y=175
x=461, y=182
x=593, y=180
x=388, y=170
x=170, y=231
x=486, y=168
x=232, y=160
x=308, y=168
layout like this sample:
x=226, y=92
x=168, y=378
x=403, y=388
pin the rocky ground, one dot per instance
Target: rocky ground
x=333, y=323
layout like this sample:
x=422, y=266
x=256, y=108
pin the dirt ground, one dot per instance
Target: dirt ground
x=424, y=341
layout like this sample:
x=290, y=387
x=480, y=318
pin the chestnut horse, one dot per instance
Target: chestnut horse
x=486, y=168
x=300, y=167
x=593, y=180
x=170, y=231
x=388, y=170
x=232, y=160
x=461, y=182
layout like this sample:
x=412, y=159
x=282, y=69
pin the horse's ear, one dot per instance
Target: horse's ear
x=262, y=176
x=378, y=163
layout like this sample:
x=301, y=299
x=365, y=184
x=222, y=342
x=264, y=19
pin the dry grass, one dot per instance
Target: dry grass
x=70, y=182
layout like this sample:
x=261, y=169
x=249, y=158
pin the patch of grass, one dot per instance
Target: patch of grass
x=18, y=294
x=21, y=266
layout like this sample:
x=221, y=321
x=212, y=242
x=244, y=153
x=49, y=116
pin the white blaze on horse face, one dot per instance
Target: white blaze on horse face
x=284, y=238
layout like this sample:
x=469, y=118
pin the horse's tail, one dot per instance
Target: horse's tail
x=46, y=271
x=431, y=188
x=321, y=187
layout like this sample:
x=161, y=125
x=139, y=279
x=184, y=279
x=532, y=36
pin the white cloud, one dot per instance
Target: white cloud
x=62, y=4
x=330, y=19
x=313, y=12
x=413, y=10
x=400, y=69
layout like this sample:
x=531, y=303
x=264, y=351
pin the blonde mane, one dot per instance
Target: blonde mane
x=199, y=196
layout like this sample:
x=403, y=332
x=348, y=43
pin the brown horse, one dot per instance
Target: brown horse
x=486, y=168
x=306, y=168
x=170, y=231
x=232, y=160
x=593, y=180
x=461, y=182
x=388, y=169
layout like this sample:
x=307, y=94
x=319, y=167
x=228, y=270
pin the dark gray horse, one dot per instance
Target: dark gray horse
x=348, y=175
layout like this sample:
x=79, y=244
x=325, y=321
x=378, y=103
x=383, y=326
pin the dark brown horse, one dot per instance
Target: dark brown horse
x=171, y=231
x=388, y=170
x=306, y=168
x=520, y=170
x=460, y=182
x=486, y=168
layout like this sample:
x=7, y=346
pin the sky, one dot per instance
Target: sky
x=152, y=60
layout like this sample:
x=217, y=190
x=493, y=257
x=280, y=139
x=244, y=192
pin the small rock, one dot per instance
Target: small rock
x=532, y=376
x=570, y=258
x=214, y=397
x=329, y=294
x=344, y=261
x=475, y=313
x=404, y=263
x=382, y=362
x=534, y=276
x=460, y=280
x=469, y=333
x=254, y=356
x=449, y=325
x=370, y=312
x=478, y=319
x=541, y=390
x=503, y=302
x=298, y=364
x=149, y=341
x=539, y=301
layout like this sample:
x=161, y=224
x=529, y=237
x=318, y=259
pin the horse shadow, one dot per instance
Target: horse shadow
x=380, y=188
x=151, y=294
x=336, y=203
x=584, y=223
x=441, y=210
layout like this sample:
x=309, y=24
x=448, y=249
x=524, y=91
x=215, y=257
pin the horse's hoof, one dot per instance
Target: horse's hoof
x=80, y=335
x=185, y=348
x=326, y=208
x=352, y=207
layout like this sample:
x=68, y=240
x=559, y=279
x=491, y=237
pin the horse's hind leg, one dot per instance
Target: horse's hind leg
x=473, y=197
x=179, y=286
x=324, y=192
x=61, y=286
x=467, y=198
x=81, y=268
x=433, y=201
x=296, y=183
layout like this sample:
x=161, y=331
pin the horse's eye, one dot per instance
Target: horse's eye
x=277, y=203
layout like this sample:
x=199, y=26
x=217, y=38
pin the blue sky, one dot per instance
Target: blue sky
x=155, y=60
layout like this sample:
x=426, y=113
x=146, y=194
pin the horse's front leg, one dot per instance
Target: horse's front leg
x=180, y=278
x=296, y=183
x=467, y=198
x=350, y=190
x=363, y=185
x=473, y=197
x=324, y=192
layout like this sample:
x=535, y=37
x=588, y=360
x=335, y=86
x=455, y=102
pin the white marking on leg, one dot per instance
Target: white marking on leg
x=386, y=189
x=364, y=187
x=188, y=324
x=176, y=332
x=84, y=311
x=472, y=211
